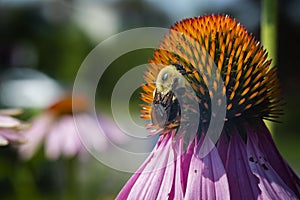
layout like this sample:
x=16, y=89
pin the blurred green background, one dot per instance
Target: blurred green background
x=54, y=37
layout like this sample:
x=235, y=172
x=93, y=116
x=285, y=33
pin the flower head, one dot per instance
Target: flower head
x=10, y=128
x=228, y=71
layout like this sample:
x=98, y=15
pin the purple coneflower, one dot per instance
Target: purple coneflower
x=56, y=128
x=10, y=128
x=244, y=162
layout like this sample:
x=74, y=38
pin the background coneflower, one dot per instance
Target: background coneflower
x=56, y=128
x=244, y=163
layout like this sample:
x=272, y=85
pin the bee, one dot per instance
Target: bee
x=165, y=108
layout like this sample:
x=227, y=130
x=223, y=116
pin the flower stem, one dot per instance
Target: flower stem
x=269, y=28
x=269, y=34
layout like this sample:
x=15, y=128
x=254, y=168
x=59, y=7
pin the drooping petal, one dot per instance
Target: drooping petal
x=35, y=135
x=243, y=184
x=113, y=132
x=222, y=146
x=182, y=168
x=147, y=186
x=62, y=139
x=275, y=159
x=165, y=189
x=158, y=177
x=8, y=122
x=172, y=173
x=72, y=144
x=11, y=136
x=3, y=141
x=270, y=183
x=123, y=194
x=54, y=141
x=253, y=164
x=207, y=177
x=88, y=131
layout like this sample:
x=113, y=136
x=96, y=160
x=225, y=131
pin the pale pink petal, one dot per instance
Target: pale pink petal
x=243, y=184
x=148, y=184
x=35, y=135
x=155, y=177
x=12, y=136
x=8, y=122
x=72, y=144
x=165, y=190
x=222, y=146
x=123, y=194
x=87, y=128
x=3, y=141
x=275, y=159
x=181, y=170
x=54, y=141
x=207, y=177
x=62, y=139
x=185, y=165
x=111, y=130
x=270, y=183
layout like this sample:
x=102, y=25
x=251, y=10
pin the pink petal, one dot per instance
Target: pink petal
x=154, y=180
x=222, y=146
x=276, y=160
x=3, y=141
x=35, y=135
x=148, y=184
x=62, y=139
x=111, y=130
x=8, y=122
x=207, y=177
x=72, y=144
x=123, y=194
x=53, y=142
x=270, y=183
x=167, y=175
x=87, y=129
x=12, y=136
x=243, y=184
x=181, y=170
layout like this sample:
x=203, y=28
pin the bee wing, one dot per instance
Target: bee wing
x=161, y=108
x=158, y=115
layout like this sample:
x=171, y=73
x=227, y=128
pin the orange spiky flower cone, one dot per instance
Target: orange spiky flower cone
x=251, y=88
